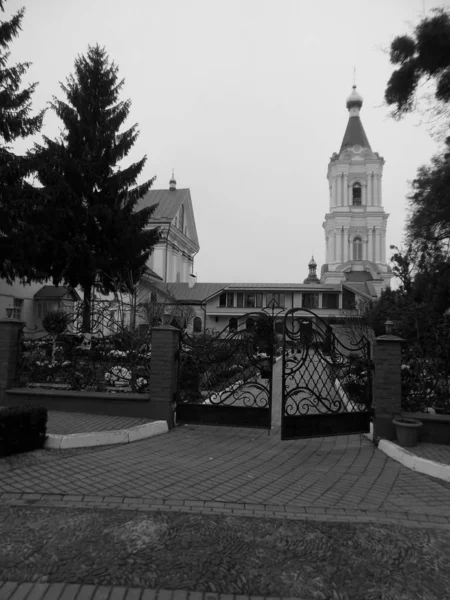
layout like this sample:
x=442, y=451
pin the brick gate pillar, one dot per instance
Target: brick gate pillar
x=164, y=373
x=9, y=355
x=387, y=385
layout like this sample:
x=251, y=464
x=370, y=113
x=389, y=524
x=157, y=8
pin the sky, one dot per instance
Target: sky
x=245, y=100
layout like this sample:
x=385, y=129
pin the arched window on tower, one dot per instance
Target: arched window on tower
x=356, y=195
x=357, y=248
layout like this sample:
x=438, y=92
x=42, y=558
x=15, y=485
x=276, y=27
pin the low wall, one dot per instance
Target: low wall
x=435, y=428
x=95, y=403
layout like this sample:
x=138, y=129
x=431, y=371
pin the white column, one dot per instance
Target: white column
x=345, y=231
x=333, y=191
x=377, y=244
x=339, y=189
x=370, y=245
x=338, y=245
x=363, y=194
x=383, y=246
x=375, y=189
x=345, y=203
x=364, y=249
x=369, y=189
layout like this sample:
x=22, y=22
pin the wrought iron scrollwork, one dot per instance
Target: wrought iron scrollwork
x=321, y=374
x=229, y=368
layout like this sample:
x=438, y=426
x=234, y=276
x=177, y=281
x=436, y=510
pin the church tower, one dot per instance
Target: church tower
x=355, y=226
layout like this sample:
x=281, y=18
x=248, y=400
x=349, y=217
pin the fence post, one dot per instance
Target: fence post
x=387, y=384
x=164, y=372
x=9, y=354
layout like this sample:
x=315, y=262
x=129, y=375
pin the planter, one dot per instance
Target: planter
x=407, y=431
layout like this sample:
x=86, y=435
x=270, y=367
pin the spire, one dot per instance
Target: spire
x=354, y=135
x=312, y=276
x=172, y=182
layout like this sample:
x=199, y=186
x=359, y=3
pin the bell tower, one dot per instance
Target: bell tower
x=355, y=225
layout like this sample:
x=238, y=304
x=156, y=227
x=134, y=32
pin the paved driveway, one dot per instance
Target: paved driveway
x=239, y=466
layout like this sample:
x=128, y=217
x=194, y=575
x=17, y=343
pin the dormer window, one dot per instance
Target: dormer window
x=356, y=195
x=182, y=218
x=357, y=248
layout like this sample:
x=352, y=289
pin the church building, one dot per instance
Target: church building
x=355, y=225
x=355, y=242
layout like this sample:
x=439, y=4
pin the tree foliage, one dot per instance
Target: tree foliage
x=425, y=54
x=16, y=122
x=90, y=229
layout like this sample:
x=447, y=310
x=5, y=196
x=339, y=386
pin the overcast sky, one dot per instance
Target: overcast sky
x=245, y=99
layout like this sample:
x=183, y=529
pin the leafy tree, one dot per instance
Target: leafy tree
x=429, y=219
x=423, y=55
x=16, y=121
x=90, y=232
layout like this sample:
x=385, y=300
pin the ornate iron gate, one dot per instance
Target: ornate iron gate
x=326, y=384
x=226, y=378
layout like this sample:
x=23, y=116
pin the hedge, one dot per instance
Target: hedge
x=22, y=429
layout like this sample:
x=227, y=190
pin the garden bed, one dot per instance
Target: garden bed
x=97, y=403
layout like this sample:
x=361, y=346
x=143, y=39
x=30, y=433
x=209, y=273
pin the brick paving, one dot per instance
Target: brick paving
x=236, y=466
x=13, y=590
x=63, y=423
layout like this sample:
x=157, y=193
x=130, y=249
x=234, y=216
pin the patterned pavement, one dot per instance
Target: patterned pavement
x=239, y=467
x=63, y=423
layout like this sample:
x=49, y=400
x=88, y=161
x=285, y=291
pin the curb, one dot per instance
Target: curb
x=415, y=463
x=103, y=438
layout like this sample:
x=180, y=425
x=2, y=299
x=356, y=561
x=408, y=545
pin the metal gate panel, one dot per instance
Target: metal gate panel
x=226, y=378
x=326, y=385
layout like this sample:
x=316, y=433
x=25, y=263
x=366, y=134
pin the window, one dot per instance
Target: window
x=250, y=323
x=278, y=299
x=17, y=312
x=197, y=325
x=357, y=248
x=253, y=300
x=356, y=194
x=232, y=324
x=310, y=300
x=226, y=299
x=348, y=300
x=182, y=218
x=240, y=300
x=330, y=300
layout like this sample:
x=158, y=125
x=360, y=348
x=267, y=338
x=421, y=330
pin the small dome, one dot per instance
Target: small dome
x=355, y=99
x=172, y=182
x=312, y=262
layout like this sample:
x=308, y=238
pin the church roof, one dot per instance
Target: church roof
x=354, y=134
x=168, y=201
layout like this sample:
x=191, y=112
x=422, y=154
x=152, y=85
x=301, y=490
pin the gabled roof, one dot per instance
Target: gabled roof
x=195, y=294
x=168, y=201
x=354, y=134
x=54, y=292
x=168, y=204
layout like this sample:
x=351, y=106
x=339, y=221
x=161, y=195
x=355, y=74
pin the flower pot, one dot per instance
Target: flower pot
x=407, y=431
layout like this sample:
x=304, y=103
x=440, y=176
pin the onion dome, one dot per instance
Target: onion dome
x=355, y=100
x=312, y=276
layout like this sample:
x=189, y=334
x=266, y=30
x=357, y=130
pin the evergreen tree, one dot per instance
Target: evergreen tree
x=16, y=121
x=90, y=232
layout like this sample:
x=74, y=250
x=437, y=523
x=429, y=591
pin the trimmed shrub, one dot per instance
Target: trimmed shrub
x=22, y=429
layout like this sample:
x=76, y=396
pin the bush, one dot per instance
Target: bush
x=22, y=429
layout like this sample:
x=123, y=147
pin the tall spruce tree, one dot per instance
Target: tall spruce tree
x=16, y=121
x=90, y=231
